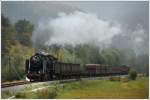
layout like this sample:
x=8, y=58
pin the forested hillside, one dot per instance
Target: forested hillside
x=17, y=46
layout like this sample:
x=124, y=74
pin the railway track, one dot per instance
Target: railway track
x=4, y=85
x=11, y=84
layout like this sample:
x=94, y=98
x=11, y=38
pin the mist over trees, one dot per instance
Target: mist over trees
x=17, y=46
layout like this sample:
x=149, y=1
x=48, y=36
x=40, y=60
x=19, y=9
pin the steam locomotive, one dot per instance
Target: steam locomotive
x=43, y=67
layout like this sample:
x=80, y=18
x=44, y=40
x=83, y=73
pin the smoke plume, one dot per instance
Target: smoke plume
x=83, y=28
x=75, y=28
x=136, y=40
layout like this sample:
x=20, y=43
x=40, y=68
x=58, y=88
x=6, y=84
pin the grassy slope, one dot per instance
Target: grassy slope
x=106, y=89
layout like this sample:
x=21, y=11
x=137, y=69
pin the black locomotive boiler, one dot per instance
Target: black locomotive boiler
x=43, y=67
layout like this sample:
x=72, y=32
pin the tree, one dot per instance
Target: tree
x=87, y=53
x=5, y=21
x=111, y=56
x=142, y=63
x=132, y=74
x=24, y=30
x=8, y=35
x=24, y=26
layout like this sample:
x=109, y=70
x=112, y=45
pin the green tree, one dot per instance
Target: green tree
x=5, y=21
x=132, y=74
x=7, y=35
x=110, y=56
x=87, y=53
x=24, y=30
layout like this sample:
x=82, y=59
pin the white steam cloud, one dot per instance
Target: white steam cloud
x=140, y=40
x=74, y=28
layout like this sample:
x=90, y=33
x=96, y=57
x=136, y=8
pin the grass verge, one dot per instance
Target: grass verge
x=93, y=89
x=98, y=89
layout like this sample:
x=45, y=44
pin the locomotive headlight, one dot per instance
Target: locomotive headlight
x=39, y=72
x=27, y=79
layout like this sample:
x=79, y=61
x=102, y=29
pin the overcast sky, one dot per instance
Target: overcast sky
x=128, y=12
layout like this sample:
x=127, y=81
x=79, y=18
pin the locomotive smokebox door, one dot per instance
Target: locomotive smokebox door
x=27, y=66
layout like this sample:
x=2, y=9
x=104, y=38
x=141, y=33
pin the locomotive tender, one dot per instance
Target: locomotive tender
x=43, y=67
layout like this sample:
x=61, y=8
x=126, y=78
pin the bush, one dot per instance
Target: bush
x=20, y=95
x=46, y=94
x=40, y=94
x=124, y=79
x=132, y=75
x=12, y=66
x=114, y=78
x=6, y=94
